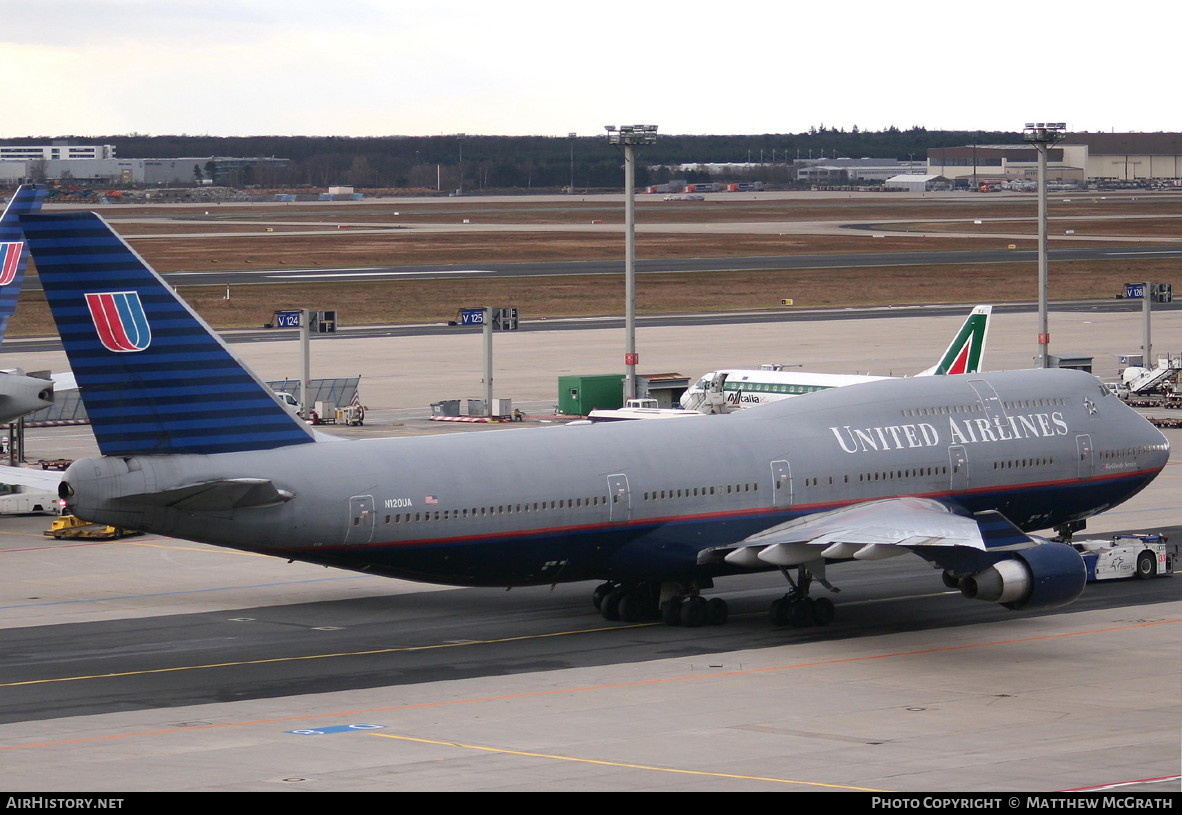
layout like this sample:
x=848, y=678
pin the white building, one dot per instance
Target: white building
x=97, y=164
x=917, y=183
x=855, y=170
x=59, y=150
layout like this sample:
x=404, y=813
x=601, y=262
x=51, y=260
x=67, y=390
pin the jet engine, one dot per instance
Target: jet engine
x=1045, y=576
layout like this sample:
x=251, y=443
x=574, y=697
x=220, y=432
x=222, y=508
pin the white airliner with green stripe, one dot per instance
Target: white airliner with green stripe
x=729, y=390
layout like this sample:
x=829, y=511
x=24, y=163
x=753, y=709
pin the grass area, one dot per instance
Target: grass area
x=222, y=246
x=718, y=209
x=414, y=301
x=344, y=249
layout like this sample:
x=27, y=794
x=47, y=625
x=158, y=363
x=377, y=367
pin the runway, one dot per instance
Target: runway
x=155, y=664
x=1114, y=254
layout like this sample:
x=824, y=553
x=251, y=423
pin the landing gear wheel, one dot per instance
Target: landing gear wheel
x=717, y=611
x=1146, y=565
x=611, y=605
x=601, y=591
x=779, y=612
x=801, y=613
x=823, y=611
x=693, y=612
x=671, y=611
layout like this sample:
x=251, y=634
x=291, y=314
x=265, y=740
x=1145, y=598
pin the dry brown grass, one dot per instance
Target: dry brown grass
x=409, y=301
x=415, y=301
x=344, y=249
x=582, y=210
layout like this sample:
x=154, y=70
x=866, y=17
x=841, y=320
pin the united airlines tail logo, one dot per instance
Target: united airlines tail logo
x=10, y=261
x=119, y=320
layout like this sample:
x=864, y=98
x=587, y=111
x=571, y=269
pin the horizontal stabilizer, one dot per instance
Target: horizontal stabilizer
x=215, y=496
x=31, y=477
x=871, y=531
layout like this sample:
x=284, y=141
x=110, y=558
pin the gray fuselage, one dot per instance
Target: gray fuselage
x=639, y=500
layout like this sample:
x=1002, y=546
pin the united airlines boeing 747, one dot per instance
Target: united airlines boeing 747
x=953, y=469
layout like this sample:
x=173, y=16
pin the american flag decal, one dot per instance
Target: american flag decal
x=10, y=261
x=119, y=320
x=430, y=499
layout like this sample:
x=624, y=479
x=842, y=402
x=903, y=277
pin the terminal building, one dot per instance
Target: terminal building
x=55, y=151
x=98, y=165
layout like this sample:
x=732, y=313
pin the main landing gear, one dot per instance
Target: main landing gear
x=672, y=603
x=676, y=603
x=797, y=608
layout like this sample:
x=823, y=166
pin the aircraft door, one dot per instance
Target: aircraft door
x=619, y=498
x=1083, y=447
x=781, y=484
x=361, y=520
x=958, y=468
x=990, y=401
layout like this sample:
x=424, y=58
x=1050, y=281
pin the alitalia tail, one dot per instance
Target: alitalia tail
x=728, y=390
x=953, y=469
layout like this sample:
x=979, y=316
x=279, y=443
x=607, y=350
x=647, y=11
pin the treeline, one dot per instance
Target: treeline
x=524, y=162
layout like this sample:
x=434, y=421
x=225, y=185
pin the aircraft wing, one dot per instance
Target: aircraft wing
x=29, y=477
x=207, y=496
x=871, y=531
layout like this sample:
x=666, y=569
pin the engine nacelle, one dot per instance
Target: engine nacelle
x=1045, y=576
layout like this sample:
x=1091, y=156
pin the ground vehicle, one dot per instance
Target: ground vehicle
x=17, y=500
x=1118, y=389
x=638, y=409
x=1135, y=555
x=71, y=527
x=288, y=401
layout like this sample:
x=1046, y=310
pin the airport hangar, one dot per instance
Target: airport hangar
x=1081, y=158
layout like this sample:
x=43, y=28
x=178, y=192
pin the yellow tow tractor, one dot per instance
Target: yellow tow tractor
x=69, y=527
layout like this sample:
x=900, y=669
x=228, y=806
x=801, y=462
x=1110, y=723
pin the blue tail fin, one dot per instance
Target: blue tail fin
x=155, y=379
x=13, y=254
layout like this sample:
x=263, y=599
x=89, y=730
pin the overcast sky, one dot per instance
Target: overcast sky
x=431, y=67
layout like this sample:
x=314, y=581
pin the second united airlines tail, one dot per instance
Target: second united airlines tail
x=157, y=380
x=13, y=255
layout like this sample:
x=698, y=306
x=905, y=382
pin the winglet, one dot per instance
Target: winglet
x=966, y=353
x=154, y=377
x=13, y=253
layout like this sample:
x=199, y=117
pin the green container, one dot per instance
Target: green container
x=579, y=395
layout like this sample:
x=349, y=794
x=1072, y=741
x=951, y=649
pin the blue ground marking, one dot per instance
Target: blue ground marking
x=343, y=728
